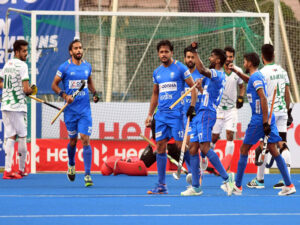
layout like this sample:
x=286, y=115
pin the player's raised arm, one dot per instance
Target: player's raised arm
x=243, y=76
x=199, y=64
x=153, y=105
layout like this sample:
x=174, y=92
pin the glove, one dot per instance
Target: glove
x=290, y=118
x=267, y=129
x=239, y=102
x=34, y=89
x=194, y=45
x=96, y=97
x=191, y=112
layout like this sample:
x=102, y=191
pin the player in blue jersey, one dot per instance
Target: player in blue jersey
x=168, y=79
x=258, y=126
x=213, y=86
x=189, y=60
x=77, y=115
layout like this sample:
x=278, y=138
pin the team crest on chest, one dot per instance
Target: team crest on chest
x=172, y=74
x=86, y=72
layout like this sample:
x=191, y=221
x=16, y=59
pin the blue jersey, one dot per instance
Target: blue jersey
x=171, y=82
x=71, y=75
x=187, y=100
x=212, y=90
x=256, y=82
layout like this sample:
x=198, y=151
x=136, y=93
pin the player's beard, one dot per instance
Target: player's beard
x=165, y=60
x=77, y=56
x=190, y=65
x=212, y=65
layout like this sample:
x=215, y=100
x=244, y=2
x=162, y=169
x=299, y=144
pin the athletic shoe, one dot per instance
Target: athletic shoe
x=227, y=185
x=237, y=190
x=159, y=189
x=71, y=173
x=22, y=174
x=279, y=185
x=259, y=184
x=203, y=163
x=188, y=178
x=88, y=181
x=287, y=190
x=192, y=191
x=11, y=175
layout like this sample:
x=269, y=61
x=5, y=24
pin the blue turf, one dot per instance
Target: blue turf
x=44, y=199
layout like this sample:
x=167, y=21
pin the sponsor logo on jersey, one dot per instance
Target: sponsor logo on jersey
x=249, y=96
x=165, y=97
x=58, y=73
x=187, y=73
x=158, y=134
x=168, y=86
x=75, y=84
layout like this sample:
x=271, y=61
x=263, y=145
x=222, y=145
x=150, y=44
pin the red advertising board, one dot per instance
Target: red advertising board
x=53, y=156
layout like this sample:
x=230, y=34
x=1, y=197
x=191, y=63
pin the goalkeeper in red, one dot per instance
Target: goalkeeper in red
x=259, y=126
x=77, y=115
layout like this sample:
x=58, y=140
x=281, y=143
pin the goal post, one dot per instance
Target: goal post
x=126, y=78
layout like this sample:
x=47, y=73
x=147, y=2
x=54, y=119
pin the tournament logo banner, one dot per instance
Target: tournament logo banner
x=52, y=35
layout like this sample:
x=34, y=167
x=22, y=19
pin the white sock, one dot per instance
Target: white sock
x=286, y=155
x=261, y=169
x=9, y=153
x=22, y=149
x=229, y=148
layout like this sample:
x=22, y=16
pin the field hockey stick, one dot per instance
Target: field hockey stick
x=73, y=95
x=177, y=174
x=261, y=159
x=172, y=160
x=42, y=101
x=182, y=96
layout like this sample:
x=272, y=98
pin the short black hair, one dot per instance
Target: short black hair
x=220, y=53
x=229, y=49
x=72, y=42
x=165, y=43
x=267, y=51
x=18, y=44
x=253, y=58
x=188, y=49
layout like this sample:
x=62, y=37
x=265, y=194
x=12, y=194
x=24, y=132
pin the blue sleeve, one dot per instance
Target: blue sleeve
x=90, y=69
x=184, y=71
x=257, y=82
x=61, y=71
x=154, y=77
x=215, y=75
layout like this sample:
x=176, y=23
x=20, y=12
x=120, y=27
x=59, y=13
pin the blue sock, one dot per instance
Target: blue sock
x=87, y=159
x=241, y=169
x=283, y=170
x=215, y=161
x=187, y=160
x=195, y=170
x=161, y=160
x=71, y=154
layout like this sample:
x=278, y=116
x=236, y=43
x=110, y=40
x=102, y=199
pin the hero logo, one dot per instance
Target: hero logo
x=74, y=84
x=167, y=86
x=2, y=2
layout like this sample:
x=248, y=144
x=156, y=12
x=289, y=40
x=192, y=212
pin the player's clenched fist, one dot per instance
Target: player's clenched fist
x=148, y=121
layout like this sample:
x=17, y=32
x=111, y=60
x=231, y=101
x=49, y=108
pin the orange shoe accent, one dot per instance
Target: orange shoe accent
x=291, y=186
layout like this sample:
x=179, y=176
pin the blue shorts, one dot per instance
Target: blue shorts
x=168, y=125
x=202, y=126
x=255, y=131
x=78, y=123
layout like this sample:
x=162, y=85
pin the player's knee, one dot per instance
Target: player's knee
x=73, y=142
x=161, y=147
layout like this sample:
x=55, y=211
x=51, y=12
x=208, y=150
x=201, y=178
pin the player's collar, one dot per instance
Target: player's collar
x=270, y=64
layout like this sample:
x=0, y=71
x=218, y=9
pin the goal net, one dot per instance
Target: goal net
x=121, y=48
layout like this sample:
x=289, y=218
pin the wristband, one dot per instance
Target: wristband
x=61, y=92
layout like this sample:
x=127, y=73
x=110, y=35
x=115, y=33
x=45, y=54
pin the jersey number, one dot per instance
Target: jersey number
x=7, y=81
